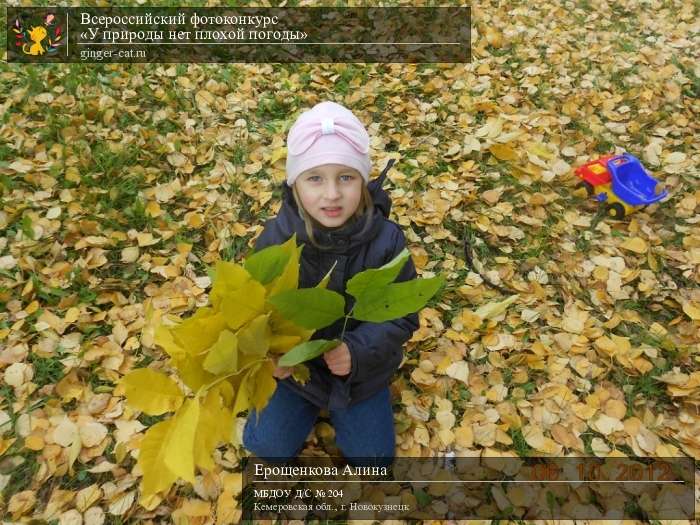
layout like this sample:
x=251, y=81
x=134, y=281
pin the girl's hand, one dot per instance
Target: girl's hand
x=338, y=360
x=281, y=372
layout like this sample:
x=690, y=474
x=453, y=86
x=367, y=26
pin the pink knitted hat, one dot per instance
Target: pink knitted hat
x=328, y=133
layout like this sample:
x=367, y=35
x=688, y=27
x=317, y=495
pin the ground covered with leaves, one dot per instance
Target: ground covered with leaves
x=122, y=184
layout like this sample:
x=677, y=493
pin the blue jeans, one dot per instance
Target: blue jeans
x=362, y=431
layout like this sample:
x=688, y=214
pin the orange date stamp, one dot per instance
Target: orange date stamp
x=592, y=469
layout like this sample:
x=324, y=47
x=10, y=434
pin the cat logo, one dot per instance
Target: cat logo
x=36, y=41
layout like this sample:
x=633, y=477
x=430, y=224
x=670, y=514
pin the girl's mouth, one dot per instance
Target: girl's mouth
x=332, y=212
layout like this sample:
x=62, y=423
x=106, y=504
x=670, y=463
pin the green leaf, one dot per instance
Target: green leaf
x=267, y=264
x=368, y=280
x=395, y=300
x=307, y=351
x=422, y=497
x=310, y=308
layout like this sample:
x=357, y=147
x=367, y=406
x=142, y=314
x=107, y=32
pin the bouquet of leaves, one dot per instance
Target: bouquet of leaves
x=225, y=352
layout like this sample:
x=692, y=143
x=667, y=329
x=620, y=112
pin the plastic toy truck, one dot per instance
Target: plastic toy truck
x=620, y=182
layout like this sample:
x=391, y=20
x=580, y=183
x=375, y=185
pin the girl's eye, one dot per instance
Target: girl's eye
x=314, y=178
x=348, y=177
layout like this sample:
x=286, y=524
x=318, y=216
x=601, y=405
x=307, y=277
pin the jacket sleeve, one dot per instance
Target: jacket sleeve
x=267, y=237
x=376, y=346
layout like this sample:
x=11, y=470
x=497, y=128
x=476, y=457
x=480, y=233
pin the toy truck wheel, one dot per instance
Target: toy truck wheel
x=589, y=188
x=616, y=210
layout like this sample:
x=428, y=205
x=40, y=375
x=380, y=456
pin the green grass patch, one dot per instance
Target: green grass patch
x=94, y=379
x=83, y=478
x=109, y=164
x=47, y=370
x=645, y=387
x=21, y=475
x=519, y=444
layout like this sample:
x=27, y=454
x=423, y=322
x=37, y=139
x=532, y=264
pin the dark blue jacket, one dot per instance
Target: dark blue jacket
x=375, y=348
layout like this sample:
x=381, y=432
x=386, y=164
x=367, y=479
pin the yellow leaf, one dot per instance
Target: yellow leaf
x=70, y=387
x=301, y=374
x=464, y=437
x=643, y=365
x=228, y=510
x=87, y=497
x=459, y=370
x=254, y=339
x=120, y=452
x=200, y=331
x=491, y=310
x=152, y=318
x=214, y=426
x=289, y=279
x=503, y=152
x=622, y=344
x=492, y=196
x=179, y=447
x=635, y=244
x=691, y=310
x=34, y=442
x=283, y=327
x=605, y=345
x=230, y=277
x=225, y=390
x=540, y=150
x=177, y=159
x=156, y=475
x=533, y=436
x=223, y=355
x=420, y=435
x=72, y=315
x=164, y=338
x=445, y=419
x=264, y=385
x=153, y=209
x=194, y=509
x=494, y=37
x=148, y=501
x=468, y=321
x=282, y=343
x=606, y=425
x=278, y=154
x=192, y=372
x=574, y=320
x=151, y=392
x=244, y=304
x=242, y=397
x=73, y=452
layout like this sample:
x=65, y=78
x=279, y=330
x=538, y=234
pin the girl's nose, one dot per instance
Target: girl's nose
x=332, y=191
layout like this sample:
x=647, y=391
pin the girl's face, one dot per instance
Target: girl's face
x=330, y=193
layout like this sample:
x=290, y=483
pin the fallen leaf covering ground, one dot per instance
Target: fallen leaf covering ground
x=121, y=184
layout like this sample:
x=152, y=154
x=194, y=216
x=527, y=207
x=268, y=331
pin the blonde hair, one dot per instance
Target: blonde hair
x=365, y=207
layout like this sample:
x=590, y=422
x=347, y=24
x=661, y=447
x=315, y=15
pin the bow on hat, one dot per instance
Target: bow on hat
x=309, y=132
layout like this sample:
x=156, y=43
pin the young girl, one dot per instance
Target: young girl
x=341, y=220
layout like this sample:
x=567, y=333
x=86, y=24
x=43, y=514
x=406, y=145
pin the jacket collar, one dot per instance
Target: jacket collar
x=350, y=235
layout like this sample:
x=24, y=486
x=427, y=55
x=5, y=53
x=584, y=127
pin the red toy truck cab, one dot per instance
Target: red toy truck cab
x=595, y=172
